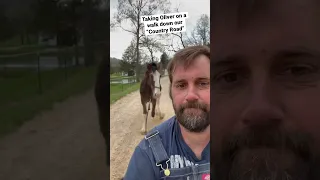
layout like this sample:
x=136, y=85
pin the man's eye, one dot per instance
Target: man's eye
x=299, y=70
x=180, y=86
x=204, y=84
x=228, y=77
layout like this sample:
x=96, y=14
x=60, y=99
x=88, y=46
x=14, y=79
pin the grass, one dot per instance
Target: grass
x=121, y=77
x=115, y=75
x=118, y=91
x=20, y=100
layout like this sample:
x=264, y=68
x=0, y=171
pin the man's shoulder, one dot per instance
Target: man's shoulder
x=164, y=129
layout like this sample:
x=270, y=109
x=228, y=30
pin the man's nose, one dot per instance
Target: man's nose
x=264, y=107
x=191, y=94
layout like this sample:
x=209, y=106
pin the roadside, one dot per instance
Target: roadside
x=20, y=98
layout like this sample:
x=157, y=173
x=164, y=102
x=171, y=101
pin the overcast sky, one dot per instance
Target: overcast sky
x=120, y=39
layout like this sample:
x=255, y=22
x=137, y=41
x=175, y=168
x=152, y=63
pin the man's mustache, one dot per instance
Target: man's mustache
x=271, y=137
x=196, y=105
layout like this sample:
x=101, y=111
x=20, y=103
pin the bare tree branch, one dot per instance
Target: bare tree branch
x=132, y=11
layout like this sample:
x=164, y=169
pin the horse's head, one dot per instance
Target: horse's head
x=154, y=67
x=156, y=78
x=152, y=78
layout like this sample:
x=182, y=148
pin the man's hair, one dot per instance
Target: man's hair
x=186, y=57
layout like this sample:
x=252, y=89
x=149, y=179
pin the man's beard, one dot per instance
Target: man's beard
x=195, y=119
x=266, y=153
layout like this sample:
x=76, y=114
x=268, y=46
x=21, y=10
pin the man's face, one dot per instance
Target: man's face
x=266, y=97
x=190, y=91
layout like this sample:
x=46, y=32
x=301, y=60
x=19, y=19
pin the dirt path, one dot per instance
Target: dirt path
x=65, y=143
x=61, y=144
x=126, y=116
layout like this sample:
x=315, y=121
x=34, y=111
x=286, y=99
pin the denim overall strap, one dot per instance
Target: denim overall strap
x=157, y=147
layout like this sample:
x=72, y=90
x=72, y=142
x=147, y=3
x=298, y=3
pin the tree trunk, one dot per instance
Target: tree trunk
x=76, y=54
x=75, y=37
x=28, y=38
x=137, y=48
x=22, y=38
x=88, y=35
x=137, y=61
x=151, y=53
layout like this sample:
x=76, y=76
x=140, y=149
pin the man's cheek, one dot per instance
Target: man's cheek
x=206, y=97
x=303, y=112
x=223, y=120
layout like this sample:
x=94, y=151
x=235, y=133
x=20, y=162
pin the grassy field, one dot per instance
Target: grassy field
x=20, y=97
x=20, y=100
x=115, y=75
x=118, y=91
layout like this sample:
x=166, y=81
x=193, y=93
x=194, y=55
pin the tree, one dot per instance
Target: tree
x=132, y=11
x=128, y=58
x=114, y=65
x=152, y=45
x=201, y=33
x=164, y=59
x=72, y=20
x=6, y=30
x=21, y=15
x=203, y=29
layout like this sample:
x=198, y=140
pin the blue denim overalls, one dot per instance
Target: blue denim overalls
x=197, y=172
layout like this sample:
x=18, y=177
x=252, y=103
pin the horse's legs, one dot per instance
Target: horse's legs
x=144, y=121
x=153, y=112
x=158, y=104
x=158, y=107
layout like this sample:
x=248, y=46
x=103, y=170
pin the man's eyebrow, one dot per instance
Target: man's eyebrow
x=197, y=79
x=179, y=81
x=203, y=78
x=296, y=52
x=228, y=60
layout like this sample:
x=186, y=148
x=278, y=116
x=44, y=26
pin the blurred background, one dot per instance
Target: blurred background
x=49, y=52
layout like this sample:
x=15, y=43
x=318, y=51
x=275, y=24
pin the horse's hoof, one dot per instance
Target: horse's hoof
x=162, y=115
x=143, y=132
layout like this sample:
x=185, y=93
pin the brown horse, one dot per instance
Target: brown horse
x=150, y=93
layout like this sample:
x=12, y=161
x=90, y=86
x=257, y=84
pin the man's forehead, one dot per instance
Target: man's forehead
x=191, y=73
x=290, y=18
x=266, y=40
